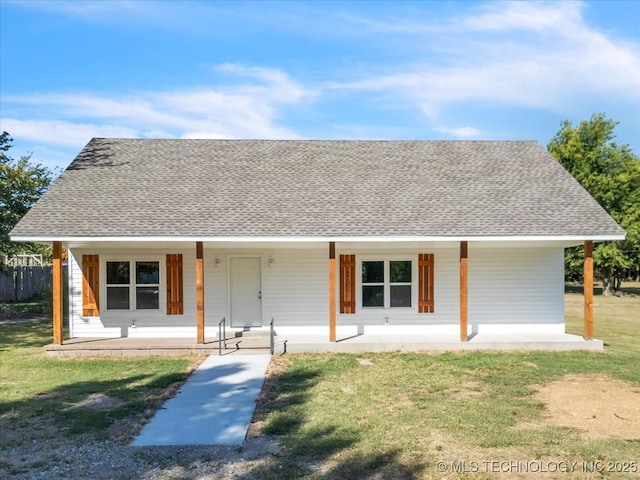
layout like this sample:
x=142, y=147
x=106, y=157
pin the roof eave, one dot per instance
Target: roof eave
x=320, y=238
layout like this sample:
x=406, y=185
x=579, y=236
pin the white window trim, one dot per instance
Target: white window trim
x=132, y=259
x=387, y=284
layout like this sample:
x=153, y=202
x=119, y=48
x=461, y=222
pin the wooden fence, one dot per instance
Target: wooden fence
x=18, y=284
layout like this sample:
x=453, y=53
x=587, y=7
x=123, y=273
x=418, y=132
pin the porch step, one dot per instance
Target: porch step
x=240, y=343
x=257, y=339
x=255, y=334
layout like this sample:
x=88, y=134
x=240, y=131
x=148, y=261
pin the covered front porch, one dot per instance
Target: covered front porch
x=344, y=331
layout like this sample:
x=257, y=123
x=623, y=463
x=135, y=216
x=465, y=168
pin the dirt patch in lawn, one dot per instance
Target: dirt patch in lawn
x=98, y=401
x=598, y=405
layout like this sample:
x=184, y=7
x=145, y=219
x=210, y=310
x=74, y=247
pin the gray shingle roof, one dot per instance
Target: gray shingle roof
x=212, y=188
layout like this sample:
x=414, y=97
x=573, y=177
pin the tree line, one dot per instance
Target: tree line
x=22, y=183
x=610, y=172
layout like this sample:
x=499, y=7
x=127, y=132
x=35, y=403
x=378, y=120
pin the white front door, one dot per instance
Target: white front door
x=246, y=292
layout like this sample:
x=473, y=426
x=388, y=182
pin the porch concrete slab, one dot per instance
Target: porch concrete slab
x=213, y=407
x=99, y=347
x=434, y=343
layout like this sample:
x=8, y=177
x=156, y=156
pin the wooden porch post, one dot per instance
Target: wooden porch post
x=463, y=291
x=200, y=291
x=332, y=291
x=588, y=290
x=57, y=293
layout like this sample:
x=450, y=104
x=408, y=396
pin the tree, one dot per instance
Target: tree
x=611, y=174
x=22, y=183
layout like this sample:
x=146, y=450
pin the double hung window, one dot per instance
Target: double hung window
x=133, y=285
x=387, y=283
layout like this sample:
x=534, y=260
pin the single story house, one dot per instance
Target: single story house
x=165, y=238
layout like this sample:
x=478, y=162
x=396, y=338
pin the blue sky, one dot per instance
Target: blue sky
x=73, y=70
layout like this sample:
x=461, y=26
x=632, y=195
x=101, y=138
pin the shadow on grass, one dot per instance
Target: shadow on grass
x=47, y=390
x=133, y=396
x=317, y=447
x=34, y=331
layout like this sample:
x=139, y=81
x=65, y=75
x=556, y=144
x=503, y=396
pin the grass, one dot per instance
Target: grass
x=42, y=390
x=395, y=415
x=22, y=309
x=391, y=415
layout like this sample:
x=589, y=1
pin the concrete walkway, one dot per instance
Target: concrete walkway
x=213, y=407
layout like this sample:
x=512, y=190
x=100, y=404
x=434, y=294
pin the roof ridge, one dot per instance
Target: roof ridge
x=320, y=140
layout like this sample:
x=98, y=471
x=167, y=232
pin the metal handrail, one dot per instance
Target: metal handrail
x=222, y=335
x=271, y=337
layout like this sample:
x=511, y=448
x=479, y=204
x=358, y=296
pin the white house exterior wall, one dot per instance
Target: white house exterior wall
x=133, y=323
x=80, y=326
x=296, y=290
x=510, y=289
x=516, y=286
x=446, y=290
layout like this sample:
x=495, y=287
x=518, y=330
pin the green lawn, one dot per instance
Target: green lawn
x=396, y=415
x=42, y=390
x=392, y=415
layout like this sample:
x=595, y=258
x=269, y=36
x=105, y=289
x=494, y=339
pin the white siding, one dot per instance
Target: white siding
x=446, y=290
x=296, y=288
x=507, y=287
x=215, y=286
x=83, y=326
x=516, y=286
x=510, y=290
x=132, y=323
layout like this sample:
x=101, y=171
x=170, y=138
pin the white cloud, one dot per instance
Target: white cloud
x=523, y=16
x=244, y=111
x=423, y=73
x=524, y=54
x=280, y=86
x=63, y=133
x=460, y=132
x=206, y=135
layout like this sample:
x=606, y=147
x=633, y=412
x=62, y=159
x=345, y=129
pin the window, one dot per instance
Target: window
x=373, y=284
x=386, y=283
x=133, y=285
x=147, y=285
x=400, y=283
x=118, y=285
